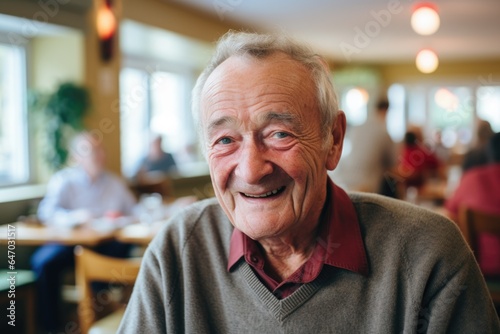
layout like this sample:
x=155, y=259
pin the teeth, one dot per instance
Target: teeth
x=274, y=192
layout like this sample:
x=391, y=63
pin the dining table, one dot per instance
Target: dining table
x=35, y=234
x=139, y=231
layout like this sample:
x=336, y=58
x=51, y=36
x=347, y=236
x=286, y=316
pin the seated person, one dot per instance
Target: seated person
x=478, y=155
x=75, y=195
x=416, y=162
x=363, y=169
x=281, y=248
x=157, y=161
x=479, y=189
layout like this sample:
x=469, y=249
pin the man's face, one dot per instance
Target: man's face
x=91, y=156
x=264, y=144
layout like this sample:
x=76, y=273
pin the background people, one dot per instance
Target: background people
x=372, y=155
x=157, y=160
x=417, y=162
x=478, y=155
x=479, y=189
x=282, y=248
x=75, y=196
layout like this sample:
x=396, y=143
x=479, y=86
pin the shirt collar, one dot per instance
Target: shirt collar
x=341, y=237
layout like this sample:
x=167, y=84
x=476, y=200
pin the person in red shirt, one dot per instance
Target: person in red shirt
x=479, y=189
x=416, y=162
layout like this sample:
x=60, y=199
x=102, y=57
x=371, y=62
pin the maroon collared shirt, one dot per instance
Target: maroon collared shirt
x=338, y=244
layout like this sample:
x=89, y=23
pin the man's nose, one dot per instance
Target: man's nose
x=253, y=164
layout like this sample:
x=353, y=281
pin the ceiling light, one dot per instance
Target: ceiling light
x=427, y=61
x=425, y=19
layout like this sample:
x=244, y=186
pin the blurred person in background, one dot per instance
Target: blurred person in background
x=157, y=161
x=479, y=189
x=478, y=155
x=75, y=196
x=442, y=152
x=372, y=155
x=417, y=163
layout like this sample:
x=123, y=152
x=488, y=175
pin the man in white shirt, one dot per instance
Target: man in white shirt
x=372, y=155
x=76, y=195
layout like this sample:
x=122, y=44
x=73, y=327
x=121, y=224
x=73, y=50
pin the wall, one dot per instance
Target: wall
x=54, y=60
x=479, y=72
x=177, y=19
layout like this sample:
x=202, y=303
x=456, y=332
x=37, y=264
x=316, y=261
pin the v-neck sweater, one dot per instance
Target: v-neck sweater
x=422, y=278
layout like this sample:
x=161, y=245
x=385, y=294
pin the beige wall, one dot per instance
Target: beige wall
x=177, y=19
x=474, y=72
x=53, y=60
x=56, y=59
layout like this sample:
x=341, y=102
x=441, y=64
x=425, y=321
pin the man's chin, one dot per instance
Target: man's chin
x=258, y=226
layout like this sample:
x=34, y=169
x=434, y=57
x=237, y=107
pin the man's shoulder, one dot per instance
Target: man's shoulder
x=396, y=228
x=66, y=175
x=385, y=217
x=203, y=219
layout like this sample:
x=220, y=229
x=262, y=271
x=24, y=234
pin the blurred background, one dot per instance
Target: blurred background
x=124, y=70
x=139, y=63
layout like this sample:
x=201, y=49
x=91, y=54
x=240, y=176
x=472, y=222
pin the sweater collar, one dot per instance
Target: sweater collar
x=341, y=236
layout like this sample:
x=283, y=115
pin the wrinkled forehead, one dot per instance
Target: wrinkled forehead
x=251, y=77
x=277, y=64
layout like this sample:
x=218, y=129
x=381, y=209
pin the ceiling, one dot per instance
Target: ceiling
x=470, y=30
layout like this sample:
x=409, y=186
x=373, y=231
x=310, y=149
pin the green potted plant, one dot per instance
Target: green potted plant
x=63, y=111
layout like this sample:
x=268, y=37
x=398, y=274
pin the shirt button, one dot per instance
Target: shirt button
x=253, y=259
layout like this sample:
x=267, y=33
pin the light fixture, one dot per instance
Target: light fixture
x=106, y=29
x=427, y=61
x=425, y=19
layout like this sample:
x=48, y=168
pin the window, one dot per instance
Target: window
x=451, y=112
x=160, y=68
x=396, y=126
x=155, y=102
x=355, y=104
x=488, y=105
x=446, y=110
x=134, y=102
x=14, y=161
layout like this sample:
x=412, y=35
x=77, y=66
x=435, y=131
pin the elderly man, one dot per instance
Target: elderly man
x=75, y=196
x=282, y=249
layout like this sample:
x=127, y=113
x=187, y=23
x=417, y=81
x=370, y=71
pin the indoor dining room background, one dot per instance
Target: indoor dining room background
x=128, y=67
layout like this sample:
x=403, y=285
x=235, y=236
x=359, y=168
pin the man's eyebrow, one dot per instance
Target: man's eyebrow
x=218, y=122
x=287, y=118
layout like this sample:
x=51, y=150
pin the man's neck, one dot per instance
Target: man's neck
x=285, y=254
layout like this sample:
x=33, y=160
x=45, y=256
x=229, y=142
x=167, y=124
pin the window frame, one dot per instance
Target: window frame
x=190, y=74
x=26, y=122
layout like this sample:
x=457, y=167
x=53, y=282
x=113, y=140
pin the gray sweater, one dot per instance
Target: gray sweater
x=422, y=279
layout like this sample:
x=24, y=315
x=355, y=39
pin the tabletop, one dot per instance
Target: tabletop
x=37, y=234
x=94, y=233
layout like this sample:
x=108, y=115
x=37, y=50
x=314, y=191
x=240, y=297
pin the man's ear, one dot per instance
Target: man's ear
x=335, y=149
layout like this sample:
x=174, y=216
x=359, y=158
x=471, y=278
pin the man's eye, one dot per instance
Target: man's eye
x=225, y=141
x=281, y=134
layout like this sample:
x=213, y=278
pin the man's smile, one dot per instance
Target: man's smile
x=265, y=195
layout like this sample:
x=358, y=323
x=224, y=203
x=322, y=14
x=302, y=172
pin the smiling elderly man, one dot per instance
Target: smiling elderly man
x=282, y=249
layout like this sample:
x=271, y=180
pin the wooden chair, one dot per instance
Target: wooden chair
x=472, y=223
x=92, y=267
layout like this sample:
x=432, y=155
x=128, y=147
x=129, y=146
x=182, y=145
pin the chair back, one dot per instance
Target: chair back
x=473, y=222
x=93, y=267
